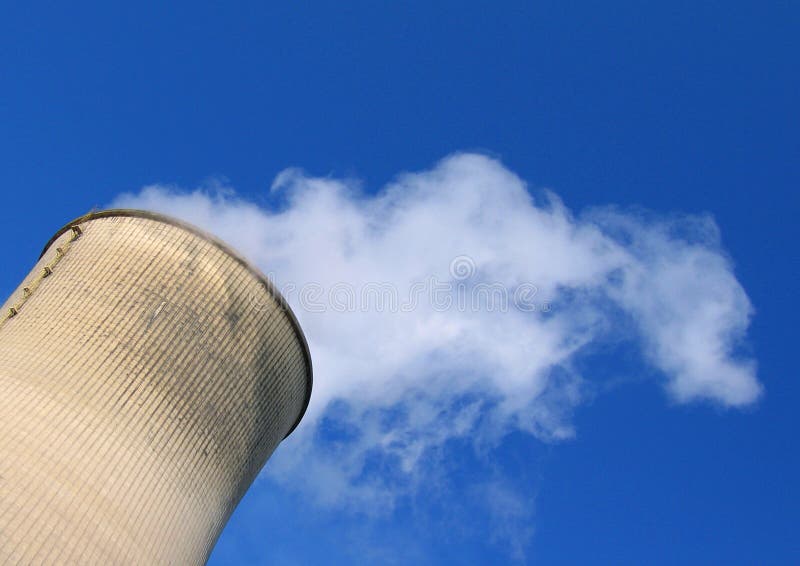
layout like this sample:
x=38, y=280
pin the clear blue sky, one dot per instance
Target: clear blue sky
x=677, y=107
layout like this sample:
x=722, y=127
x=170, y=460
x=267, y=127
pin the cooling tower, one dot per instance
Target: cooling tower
x=147, y=372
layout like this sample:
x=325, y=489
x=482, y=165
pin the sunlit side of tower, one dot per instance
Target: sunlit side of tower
x=147, y=372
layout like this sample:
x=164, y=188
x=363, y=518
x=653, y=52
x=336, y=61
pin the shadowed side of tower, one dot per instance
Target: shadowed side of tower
x=147, y=373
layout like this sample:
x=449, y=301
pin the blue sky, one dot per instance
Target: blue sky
x=680, y=118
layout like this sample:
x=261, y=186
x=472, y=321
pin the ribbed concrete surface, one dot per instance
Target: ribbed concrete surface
x=146, y=374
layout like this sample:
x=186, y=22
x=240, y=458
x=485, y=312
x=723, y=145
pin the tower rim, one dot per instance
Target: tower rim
x=226, y=248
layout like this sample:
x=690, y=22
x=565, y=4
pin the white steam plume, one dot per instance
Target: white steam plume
x=399, y=371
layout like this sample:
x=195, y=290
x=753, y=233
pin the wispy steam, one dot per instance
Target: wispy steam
x=394, y=384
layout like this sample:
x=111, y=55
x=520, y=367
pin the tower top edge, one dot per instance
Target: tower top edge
x=224, y=247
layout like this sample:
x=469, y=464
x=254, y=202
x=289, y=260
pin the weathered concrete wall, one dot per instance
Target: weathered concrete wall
x=146, y=375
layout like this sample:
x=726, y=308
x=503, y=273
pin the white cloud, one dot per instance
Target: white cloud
x=394, y=386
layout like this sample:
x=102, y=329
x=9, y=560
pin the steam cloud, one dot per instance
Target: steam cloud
x=395, y=384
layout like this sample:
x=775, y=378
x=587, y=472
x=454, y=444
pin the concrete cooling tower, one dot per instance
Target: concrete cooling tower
x=147, y=372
